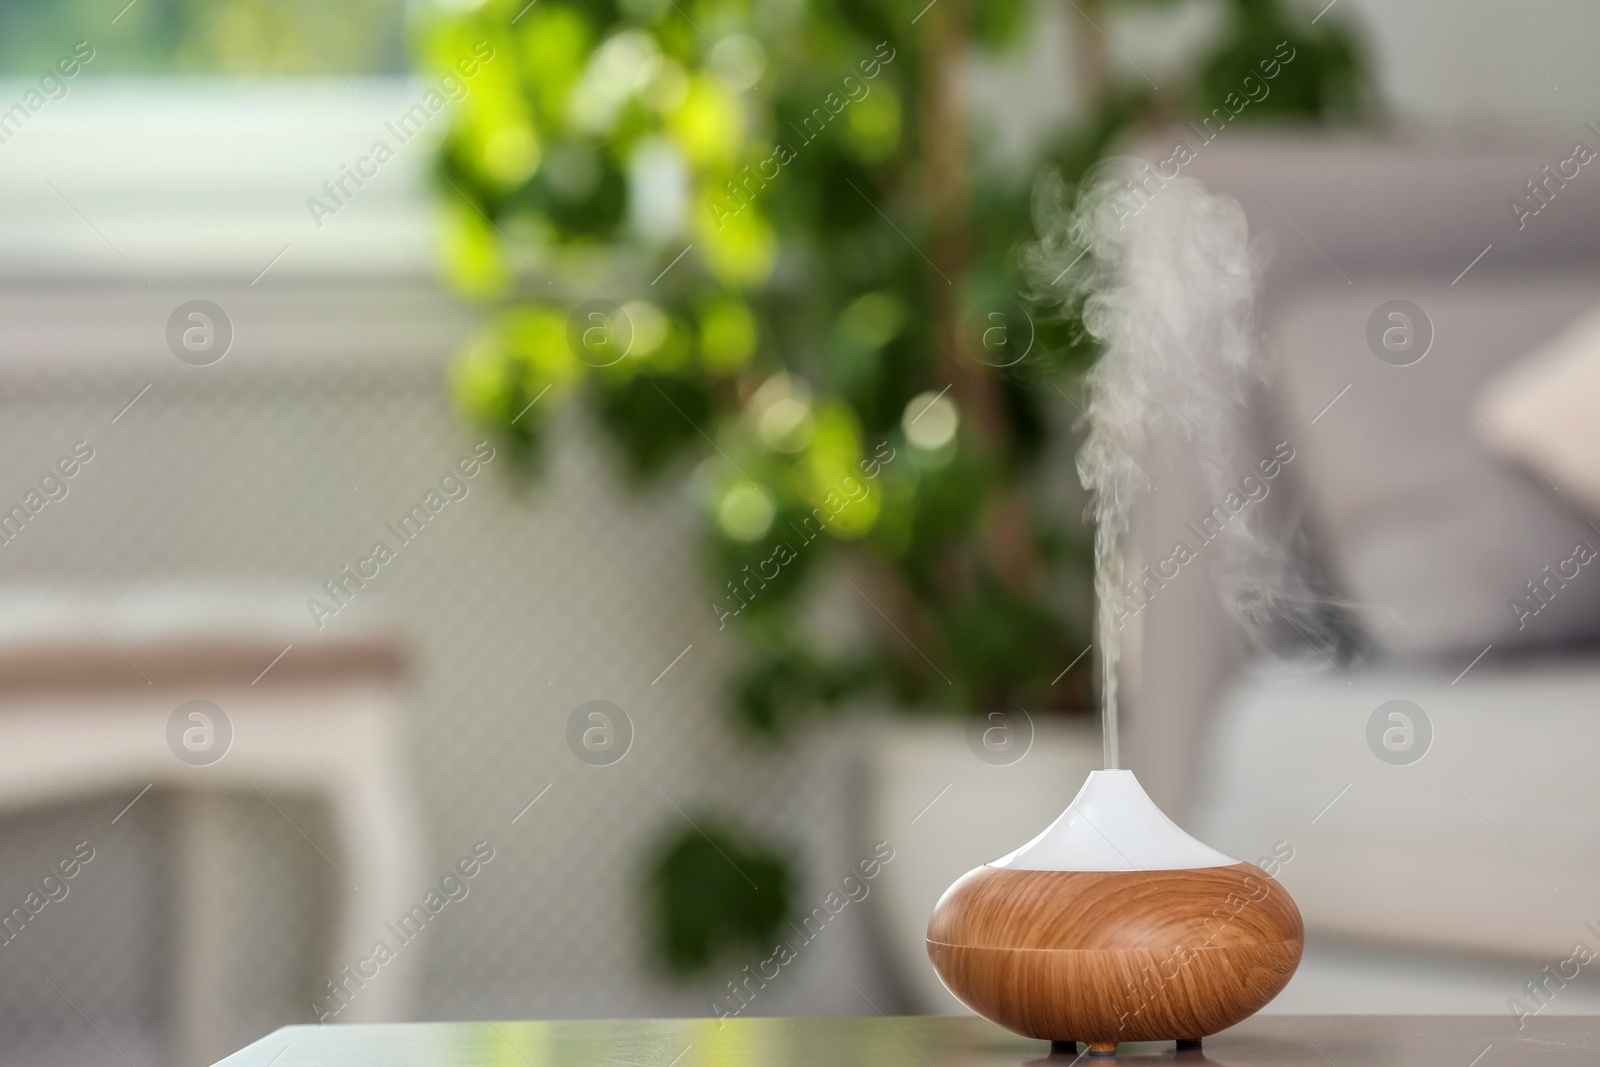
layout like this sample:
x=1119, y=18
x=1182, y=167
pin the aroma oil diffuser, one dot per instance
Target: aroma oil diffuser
x=1114, y=925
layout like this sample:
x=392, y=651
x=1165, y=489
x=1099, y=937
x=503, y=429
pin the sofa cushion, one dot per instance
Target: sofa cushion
x=1451, y=842
x=1434, y=537
x=1546, y=412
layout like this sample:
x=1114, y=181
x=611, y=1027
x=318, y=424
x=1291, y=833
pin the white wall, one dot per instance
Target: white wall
x=1484, y=63
x=1462, y=67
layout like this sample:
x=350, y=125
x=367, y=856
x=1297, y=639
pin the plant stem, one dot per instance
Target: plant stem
x=1091, y=68
x=947, y=196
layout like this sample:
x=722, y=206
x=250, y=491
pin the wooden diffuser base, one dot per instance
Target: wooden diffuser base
x=1105, y=956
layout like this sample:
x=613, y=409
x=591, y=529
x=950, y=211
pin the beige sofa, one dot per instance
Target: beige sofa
x=1445, y=882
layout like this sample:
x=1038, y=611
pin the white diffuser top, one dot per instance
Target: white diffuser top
x=1113, y=825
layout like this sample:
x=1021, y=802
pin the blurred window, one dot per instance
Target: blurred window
x=244, y=37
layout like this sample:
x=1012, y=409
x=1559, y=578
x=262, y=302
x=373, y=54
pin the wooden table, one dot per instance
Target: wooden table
x=1268, y=1040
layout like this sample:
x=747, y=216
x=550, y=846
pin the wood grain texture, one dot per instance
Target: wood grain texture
x=1110, y=956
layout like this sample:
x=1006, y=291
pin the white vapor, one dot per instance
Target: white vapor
x=1165, y=280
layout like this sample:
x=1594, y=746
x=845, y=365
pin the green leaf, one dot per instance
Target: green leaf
x=653, y=419
x=714, y=890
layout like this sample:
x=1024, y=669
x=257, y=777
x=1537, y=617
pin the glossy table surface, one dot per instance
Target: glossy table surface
x=1268, y=1040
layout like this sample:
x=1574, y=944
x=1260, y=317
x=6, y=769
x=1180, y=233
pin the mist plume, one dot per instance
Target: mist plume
x=1165, y=279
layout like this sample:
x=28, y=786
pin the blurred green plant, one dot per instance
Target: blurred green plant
x=754, y=237
x=715, y=892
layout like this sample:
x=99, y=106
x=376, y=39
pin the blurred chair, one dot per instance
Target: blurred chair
x=204, y=696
